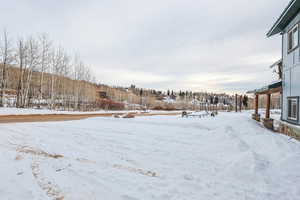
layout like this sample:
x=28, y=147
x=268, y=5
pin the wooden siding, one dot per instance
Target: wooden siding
x=291, y=69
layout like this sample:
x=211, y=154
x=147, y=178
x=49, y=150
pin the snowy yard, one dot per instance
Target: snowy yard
x=229, y=157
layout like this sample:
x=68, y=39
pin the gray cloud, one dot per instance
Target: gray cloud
x=200, y=45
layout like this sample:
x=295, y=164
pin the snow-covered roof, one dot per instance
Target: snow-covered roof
x=274, y=85
x=278, y=62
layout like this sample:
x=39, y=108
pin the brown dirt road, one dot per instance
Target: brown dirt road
x=65, y=117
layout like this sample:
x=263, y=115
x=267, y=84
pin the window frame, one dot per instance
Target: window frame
x=297, y=108
x=290, y=38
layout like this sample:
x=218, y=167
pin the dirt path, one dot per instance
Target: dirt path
x=65, y=117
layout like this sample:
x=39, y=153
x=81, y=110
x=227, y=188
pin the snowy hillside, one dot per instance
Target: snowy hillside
x=32, y=111
x=229, y=157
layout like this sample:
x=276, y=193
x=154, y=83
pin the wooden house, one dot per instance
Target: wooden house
x=287, y=26
x=288, y=70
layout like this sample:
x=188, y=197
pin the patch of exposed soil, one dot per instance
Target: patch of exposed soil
x=37, y=152
x=136, y=170
x=66, y=117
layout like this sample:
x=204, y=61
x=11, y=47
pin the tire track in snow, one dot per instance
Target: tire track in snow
x=51, y=189
x=242, y=145
x=253, y=162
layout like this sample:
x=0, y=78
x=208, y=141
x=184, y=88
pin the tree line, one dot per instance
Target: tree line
x=43, y=73
x=35, y=72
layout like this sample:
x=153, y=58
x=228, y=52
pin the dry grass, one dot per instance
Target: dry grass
x=19, y=157
x=136, y=170
x=37, y=152
x=68, y=117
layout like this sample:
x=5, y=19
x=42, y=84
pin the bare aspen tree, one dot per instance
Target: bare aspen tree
x=32, y=64
x=64, y=72
x=20, y=58
x=87, y=77
x=44, y=60
x=6, y=58
x=41, y=73
x=78, y=74
x=55, y=67
x=52, y=71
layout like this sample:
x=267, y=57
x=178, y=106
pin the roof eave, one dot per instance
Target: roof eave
x=273, y=32
x=275, y=28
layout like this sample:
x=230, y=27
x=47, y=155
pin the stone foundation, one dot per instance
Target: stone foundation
x=289, y=130
x=268, y=123
x=280, y=126
x=256, y=117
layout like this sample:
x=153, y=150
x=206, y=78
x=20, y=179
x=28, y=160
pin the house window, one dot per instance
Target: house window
x=293, y=38
x=293, y=108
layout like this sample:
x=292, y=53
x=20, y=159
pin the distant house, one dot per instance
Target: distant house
x=287, y=26
x=102, y=94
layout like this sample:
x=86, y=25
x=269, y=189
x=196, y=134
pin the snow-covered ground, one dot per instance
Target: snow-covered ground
x=229, y=157
x=275, y=113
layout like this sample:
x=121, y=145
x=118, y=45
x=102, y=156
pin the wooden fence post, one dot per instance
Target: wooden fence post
x=236, y=103
x=240, y=102
x=268, y=106
x=256, y=104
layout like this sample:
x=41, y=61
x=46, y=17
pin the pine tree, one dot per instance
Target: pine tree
x=141, y=92
x=245, y=101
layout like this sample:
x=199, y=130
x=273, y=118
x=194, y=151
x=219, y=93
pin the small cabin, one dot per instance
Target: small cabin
x=288, y=70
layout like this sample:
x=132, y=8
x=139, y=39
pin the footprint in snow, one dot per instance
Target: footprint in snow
x=260, y=163
x=188, y=177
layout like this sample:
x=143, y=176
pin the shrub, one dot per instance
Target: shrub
x=110, y=104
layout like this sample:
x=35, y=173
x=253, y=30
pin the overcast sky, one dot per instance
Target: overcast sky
x=200, y=45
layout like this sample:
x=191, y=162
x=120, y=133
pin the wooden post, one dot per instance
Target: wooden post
x=268, y=106
x=236, y=102
x=240, y=103
x=256, y=104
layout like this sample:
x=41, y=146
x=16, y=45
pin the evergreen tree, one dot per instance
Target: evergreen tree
x=211, y=100
x=141, y=92
x=216, y=100
x=245, y=101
